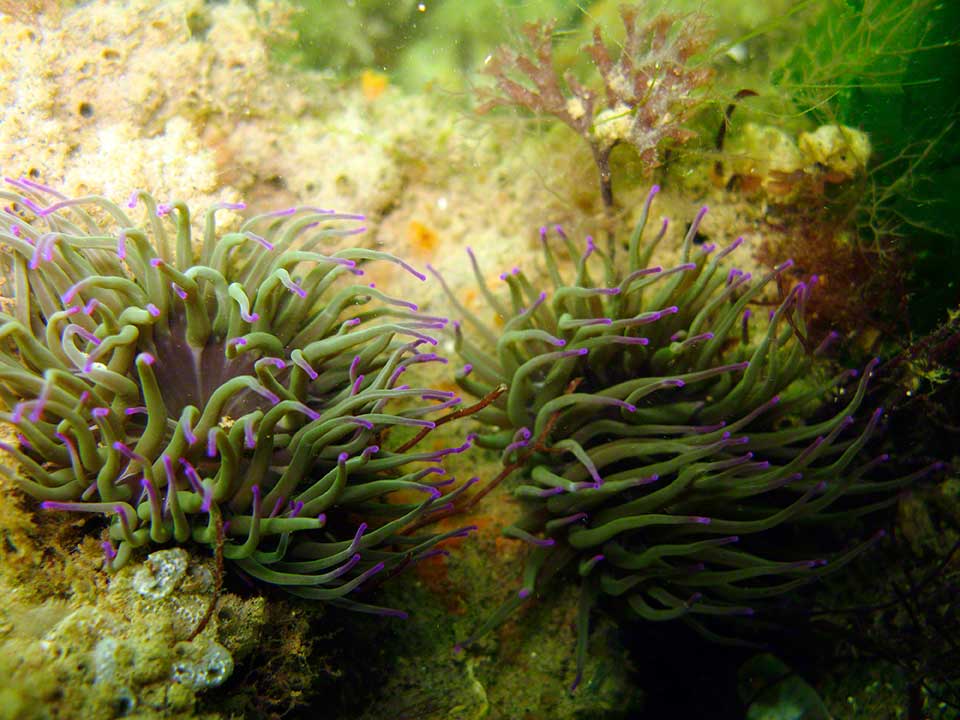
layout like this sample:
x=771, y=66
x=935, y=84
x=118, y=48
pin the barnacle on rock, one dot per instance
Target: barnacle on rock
x=238, y=393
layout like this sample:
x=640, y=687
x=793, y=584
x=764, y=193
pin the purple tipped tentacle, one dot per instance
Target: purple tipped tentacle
x=521, y=534
x=297, y=358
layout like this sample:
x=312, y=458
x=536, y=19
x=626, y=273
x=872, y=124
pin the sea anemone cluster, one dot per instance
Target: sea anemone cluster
x=667, y=440
x=238, y=392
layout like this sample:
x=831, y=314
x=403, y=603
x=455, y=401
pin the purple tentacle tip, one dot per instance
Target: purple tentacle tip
x=293, y=287
x=109, y=552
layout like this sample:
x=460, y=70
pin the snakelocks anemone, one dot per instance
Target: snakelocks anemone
x=237, y=393
x=664, y=439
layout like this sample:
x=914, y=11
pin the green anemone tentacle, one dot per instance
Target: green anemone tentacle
x=171, y=385
x=672, y=432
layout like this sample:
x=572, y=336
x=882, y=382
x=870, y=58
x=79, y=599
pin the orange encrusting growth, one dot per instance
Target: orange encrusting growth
x=373, y=84
x=422, y=238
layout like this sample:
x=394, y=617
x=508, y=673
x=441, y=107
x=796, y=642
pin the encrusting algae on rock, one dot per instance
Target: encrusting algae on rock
x=131, y=653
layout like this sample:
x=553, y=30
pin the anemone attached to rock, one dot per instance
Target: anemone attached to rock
x=665, y=439
x=238, y=393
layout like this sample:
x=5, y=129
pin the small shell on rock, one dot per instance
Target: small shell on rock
x=201, y=664
x=162, y=573
x=841, y=149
